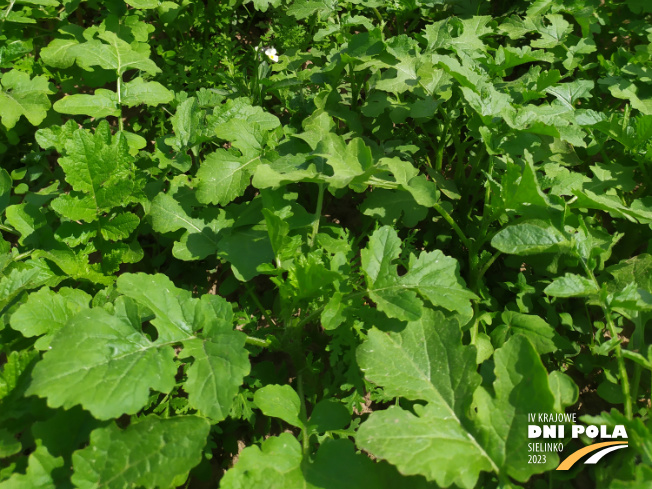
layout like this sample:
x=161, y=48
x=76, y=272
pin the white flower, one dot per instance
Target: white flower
x=271, y=54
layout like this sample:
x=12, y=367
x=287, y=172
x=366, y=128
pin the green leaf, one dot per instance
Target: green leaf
x=186, y=123
x=222, y=177
x=564, y=390
x=426, y=360
x=21, y=95
x=118, y=227
x=348, y=161
x=115, y=54
x=278, y=464
x=101, y=104
x=495, y=440
x=58, y=53
x=216, y=372
x=138, y=92
x=530, y=238
x=432, y=275
x=201, y=237
x=543, y=336
x=117, y=363
x=571, y=285
x=144, y=4
x=390, y=206
x=45, y=312
x=9, y=445
x=40, y=467
x=329, y=415
x=100, y=170
x=5, y=189
x=279, y=401
x=382, y=277
x=112, y=371
x=151, y=452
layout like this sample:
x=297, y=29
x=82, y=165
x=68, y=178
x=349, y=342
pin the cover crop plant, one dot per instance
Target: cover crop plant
x=318, y=244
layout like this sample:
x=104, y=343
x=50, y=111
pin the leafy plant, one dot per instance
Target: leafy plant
x=322, y=244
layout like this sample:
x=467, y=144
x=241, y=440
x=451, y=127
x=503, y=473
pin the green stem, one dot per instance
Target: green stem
x=317, y=218
x=303, y=416
x=9, y=230
x=447, y=217
x=488, y=264
x=120, y=126
x=263, y=312
x=622, y=369
x=379, y=17
x=7, y=12
x=257, y=342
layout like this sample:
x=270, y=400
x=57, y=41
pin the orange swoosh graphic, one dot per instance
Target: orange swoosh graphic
x=575, y=456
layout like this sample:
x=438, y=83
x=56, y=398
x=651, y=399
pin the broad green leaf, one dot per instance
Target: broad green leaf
x=27, y=219
x=99, y=168
x=9, y=445
x=40, y=466
x=201, y=237
x=564, y=390
x=625, y=89
x=138, y=92
x=101, y=104
x=118, y=227
x=382, y=277
x=116, y=363
x=432, y=275
x=112, y=371
x=541, y=334
x=424, y=361
x=495, y=440
x=436, y=277
x=529, y=238
x=220, y=361
x=571, y=285
x=216, y=373
x=45, y=312
x=278, y=464
x=58, y=53
x=145, y=4
x=279, y=401
x=113, y=54
x=391, y=206
x=569, y=93
x=186, y=123
x=20, y=95
x=246, y=248
x=222, y=177
x=443, y=443
x=329, y=415
x=151, y=452
x=5, y=189
x=348, y=161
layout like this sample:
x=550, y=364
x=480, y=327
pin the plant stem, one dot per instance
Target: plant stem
x=257, y=342
x=317, y=218
x=7, y=12
x=9, y=230
x=622, y=369
x=303, y=416
x=447, y=217
x=263, y=311
x=120, y=126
